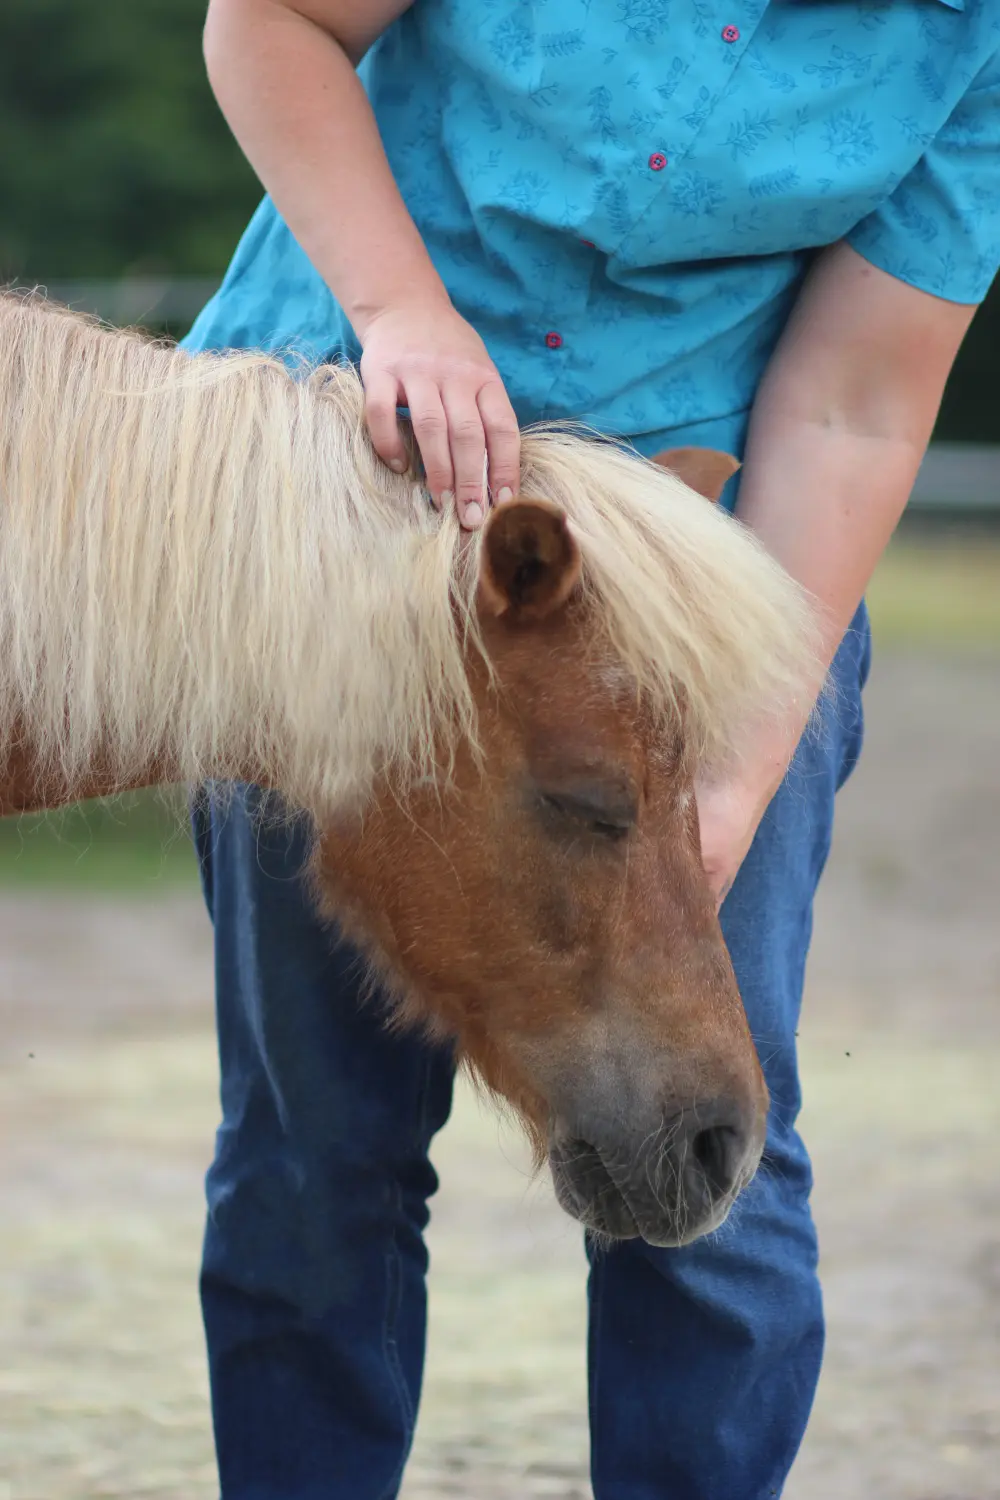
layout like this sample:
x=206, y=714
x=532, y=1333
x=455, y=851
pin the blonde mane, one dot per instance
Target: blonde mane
x=204, y=565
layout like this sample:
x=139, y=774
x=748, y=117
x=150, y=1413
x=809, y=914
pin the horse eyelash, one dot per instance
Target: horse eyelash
x=604, y=828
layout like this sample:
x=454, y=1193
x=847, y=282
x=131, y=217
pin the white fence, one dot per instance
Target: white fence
x=958, y=477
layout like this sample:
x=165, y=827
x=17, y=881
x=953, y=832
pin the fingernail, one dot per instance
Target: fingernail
x=474, y=514
x=396, y=465
x=505, y=494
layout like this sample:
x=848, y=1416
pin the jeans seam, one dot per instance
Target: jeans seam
x=390, y=1352
x=594, y=1359
x=394, y=1267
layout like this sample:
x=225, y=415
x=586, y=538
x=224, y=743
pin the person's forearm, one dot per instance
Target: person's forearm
x=295, y=104
x=823, y=495
x=283, y=72
x=824, y=499
x=840, y=424
x=839, y=427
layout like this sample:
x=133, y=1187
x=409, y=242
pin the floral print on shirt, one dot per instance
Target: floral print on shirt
x=649, y=179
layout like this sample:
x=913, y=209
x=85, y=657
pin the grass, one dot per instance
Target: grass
x=928, y=593
x=933, y=592
x=134, y=845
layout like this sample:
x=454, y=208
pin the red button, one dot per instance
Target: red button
x=730, y=33
x=554, y=340
x=657, y=161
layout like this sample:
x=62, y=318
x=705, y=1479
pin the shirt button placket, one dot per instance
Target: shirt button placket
x=656, y=161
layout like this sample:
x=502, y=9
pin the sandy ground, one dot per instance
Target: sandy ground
x=107, y=1106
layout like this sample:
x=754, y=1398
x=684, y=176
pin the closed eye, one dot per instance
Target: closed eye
x=611, y=816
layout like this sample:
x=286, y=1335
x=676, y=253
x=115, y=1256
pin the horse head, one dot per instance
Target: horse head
x=547, y=909
x=207, y=574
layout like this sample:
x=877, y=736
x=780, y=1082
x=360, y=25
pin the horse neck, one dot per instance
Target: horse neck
x=191, y=585
x=31, y=781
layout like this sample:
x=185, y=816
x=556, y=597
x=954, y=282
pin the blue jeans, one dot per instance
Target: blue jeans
x=703, y=1361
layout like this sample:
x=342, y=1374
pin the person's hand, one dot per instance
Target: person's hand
x=729, y=811
x=428, y=358
x=731, y=803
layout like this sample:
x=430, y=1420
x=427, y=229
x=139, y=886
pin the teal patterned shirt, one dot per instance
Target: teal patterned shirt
x=622, y=196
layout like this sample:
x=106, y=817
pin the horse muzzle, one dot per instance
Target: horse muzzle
x=669, y=1186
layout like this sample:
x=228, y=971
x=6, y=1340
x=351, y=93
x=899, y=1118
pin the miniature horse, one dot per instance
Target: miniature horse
x=207, y=573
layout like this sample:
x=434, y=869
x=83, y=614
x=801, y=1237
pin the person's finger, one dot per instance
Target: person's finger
x=430, y=428
x=503, y=441
x=381, y=396
x=468, y=452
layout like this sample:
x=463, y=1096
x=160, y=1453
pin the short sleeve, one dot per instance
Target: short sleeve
x=939, y=229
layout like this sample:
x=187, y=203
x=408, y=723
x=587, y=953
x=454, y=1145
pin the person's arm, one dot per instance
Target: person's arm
x=283, y=73
x=838, y=429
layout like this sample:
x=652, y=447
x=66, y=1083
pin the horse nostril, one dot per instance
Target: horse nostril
x=718, y=1150
x=669, y=1184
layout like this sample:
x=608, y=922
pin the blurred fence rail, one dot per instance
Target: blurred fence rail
x=959, y=477
x=955, y=478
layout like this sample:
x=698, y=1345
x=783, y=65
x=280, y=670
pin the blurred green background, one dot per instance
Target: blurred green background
x=114, y=160
x=116, y=165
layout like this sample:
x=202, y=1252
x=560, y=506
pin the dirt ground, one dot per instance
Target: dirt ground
x=107, y=1107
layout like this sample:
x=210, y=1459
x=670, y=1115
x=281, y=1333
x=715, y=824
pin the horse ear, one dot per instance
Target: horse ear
x=530, y=562
x=704, y=470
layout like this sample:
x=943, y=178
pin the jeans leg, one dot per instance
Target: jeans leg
x=704, y=1361
x=313, y=1273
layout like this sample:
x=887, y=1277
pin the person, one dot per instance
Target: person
x=758, y=227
